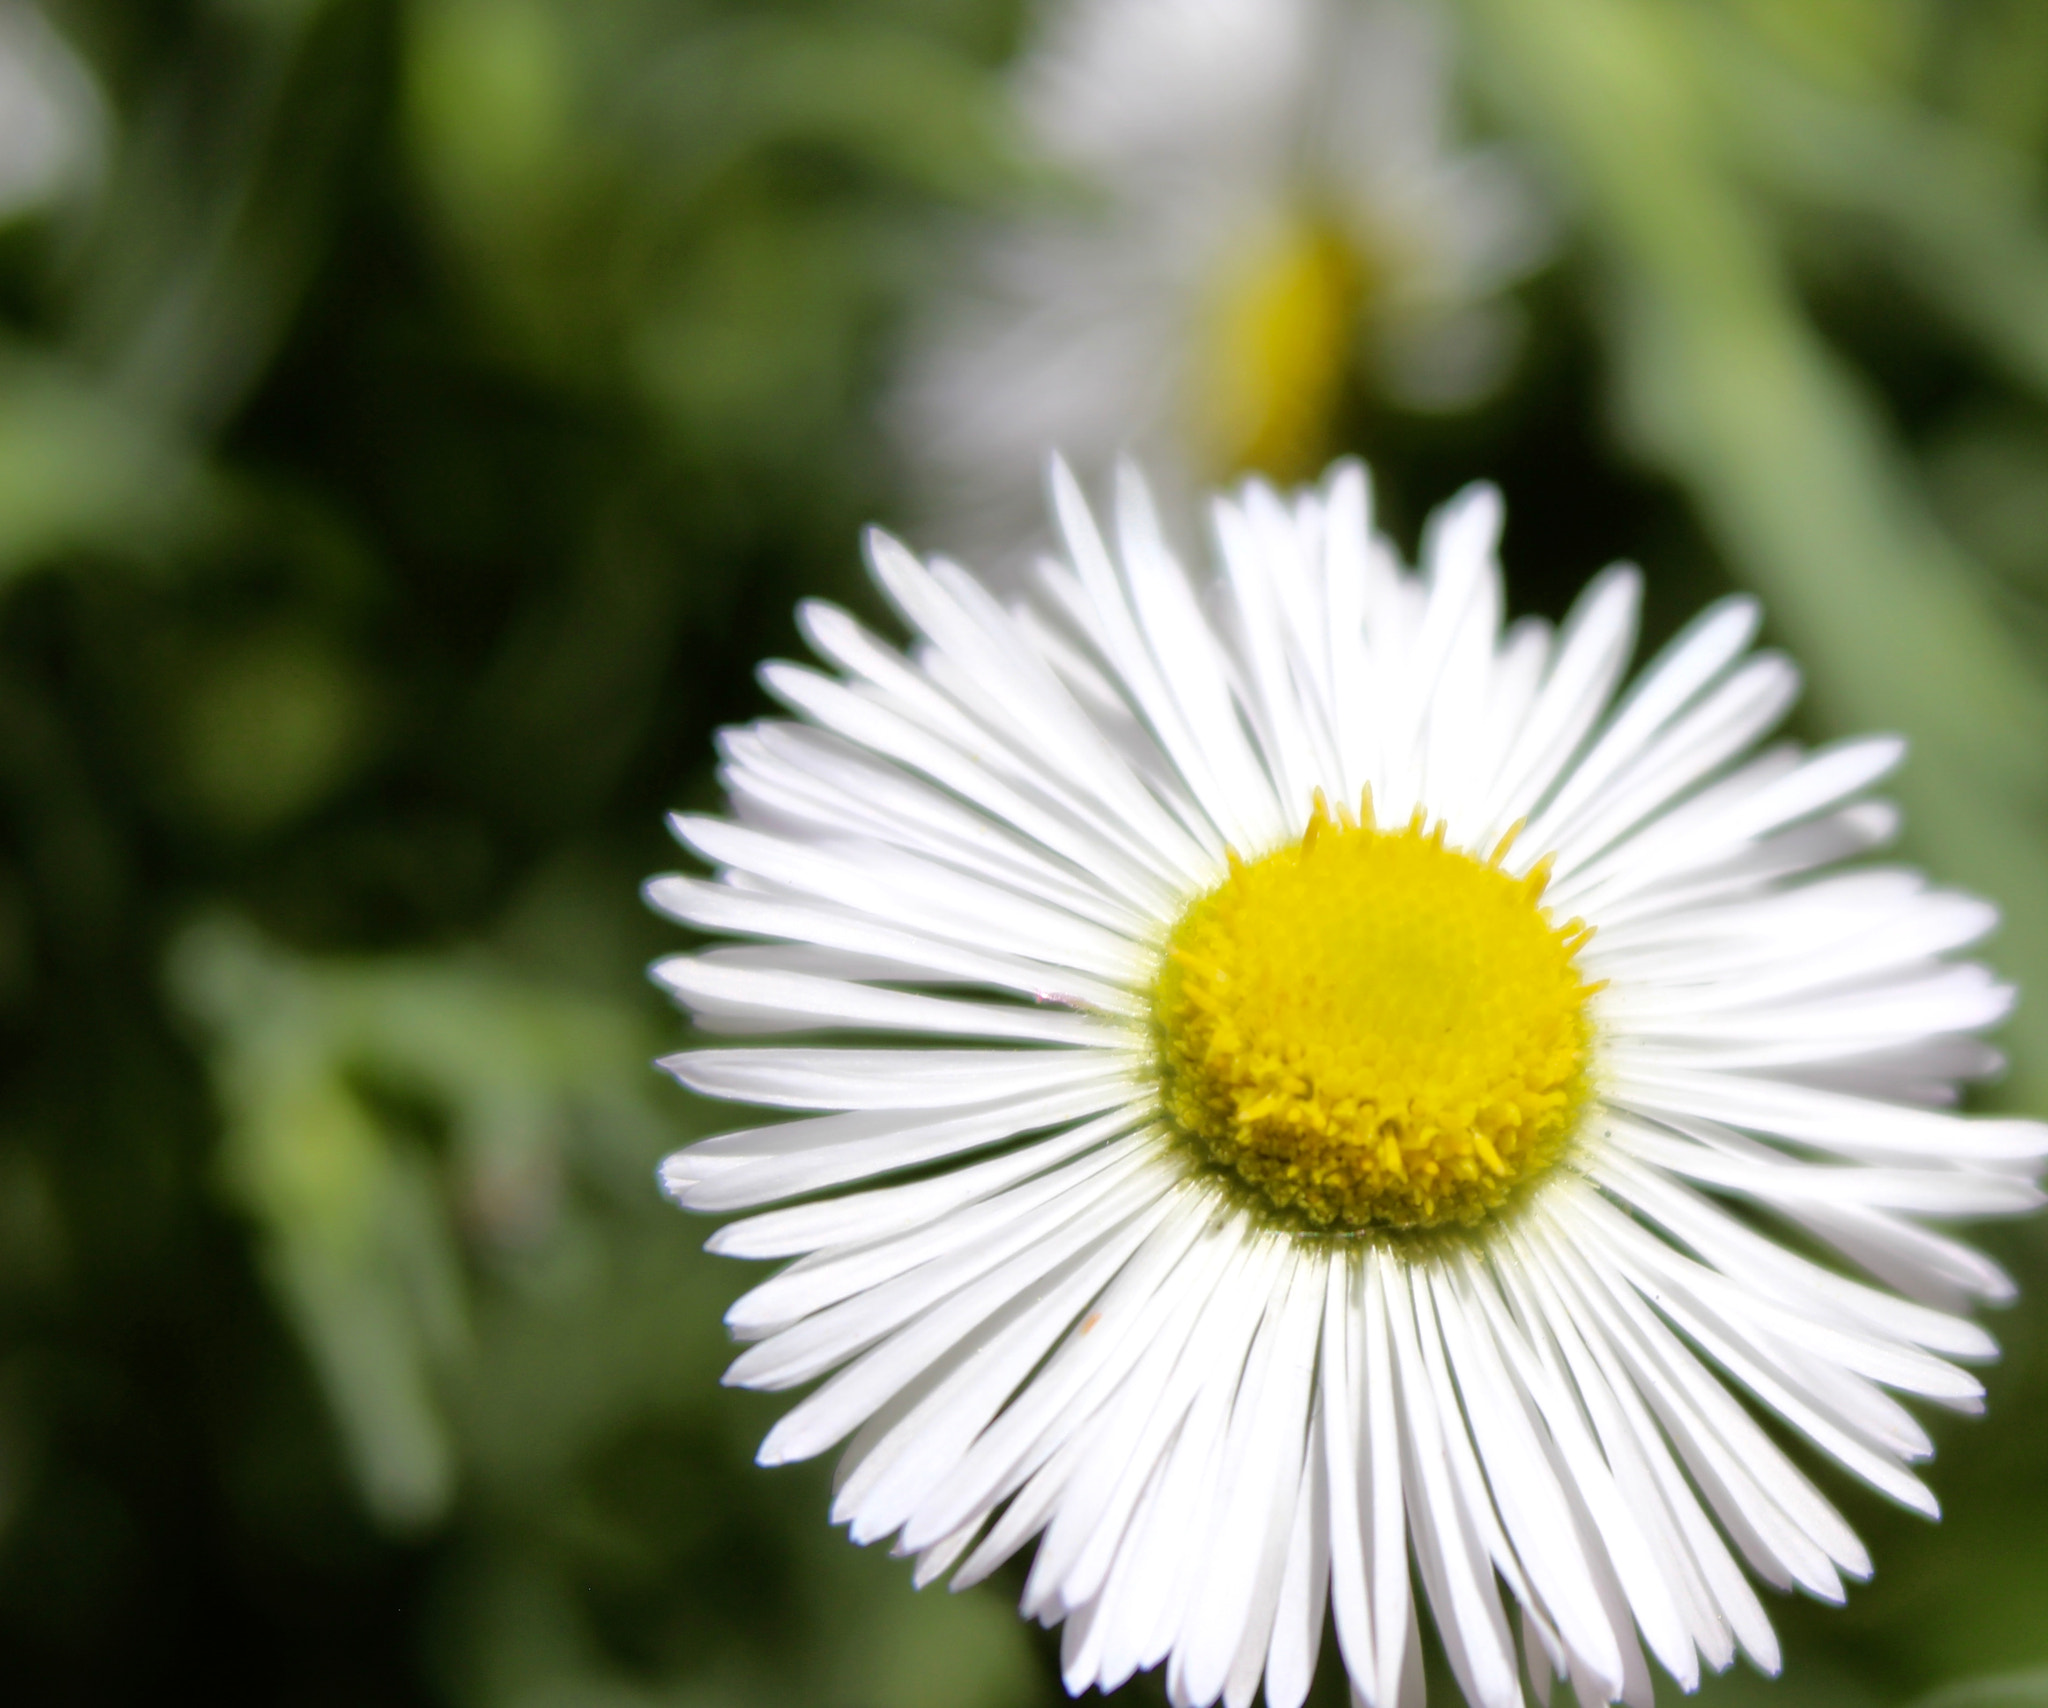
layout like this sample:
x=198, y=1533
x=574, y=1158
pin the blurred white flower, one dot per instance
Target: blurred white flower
x=52, y=119
x=1262, y=207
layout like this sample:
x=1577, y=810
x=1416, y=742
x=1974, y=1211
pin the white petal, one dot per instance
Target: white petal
x=911, y=894
x=962, y=618
x=1924, y=1191
x=1290, y=1663
x=1770, y=1507
x=879, y=1079
x=1694, y=658
x=884, y=730
x=1720, y=821
x=820, y=784
x=1444, y=1531
x=800, y=1002
x=799, y=1351
x=871, y=1144
x=1722, y=725
x=850, y=1397
x=1827, y=1120
x=1823, y=1295
x=903, y=1468
x=1223, y=797
x=1637, y=1448
x=1592, y=651
x=1193, y=673
x=830, y=1277
x=859, y=1218
x=1150, y=1310
x=1631, y=1560
x=1262, y=1472
x=1347, y=1473
x=1532, y=1504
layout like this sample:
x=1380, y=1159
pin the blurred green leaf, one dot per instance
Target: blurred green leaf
x=210, y=227
x=2003, y=1690
x=357, y=1216
x=275, y=722
x=80, y=469
x=859, y=85
x=492, y=95
x=1957, y=212
x=706, y=210
x=1989, y=472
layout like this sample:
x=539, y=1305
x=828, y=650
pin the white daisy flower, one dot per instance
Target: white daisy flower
x=1319, y=1086
x=1264, y=206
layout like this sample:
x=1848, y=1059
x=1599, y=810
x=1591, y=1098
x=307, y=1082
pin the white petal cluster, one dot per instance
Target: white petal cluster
x=1034, y=1317
x=1193, y=134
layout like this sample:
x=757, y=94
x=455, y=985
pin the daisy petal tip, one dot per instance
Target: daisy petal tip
x=672, y=973
x=1348, y=480
x=672, y=1175
x=1072, y=511
x=826, y=628
x=1480, y=507
x=1974, y=1347
x=1881, y=755
x=680, y=1068
x=662, y=895
x=1761, y=1649
x=728, y=1241
x=786, y=682
x=1743, y=612
x=891, y=562
x=1061, y=482
x=785, y=1445
x=692, y=828
x=1995, y=1287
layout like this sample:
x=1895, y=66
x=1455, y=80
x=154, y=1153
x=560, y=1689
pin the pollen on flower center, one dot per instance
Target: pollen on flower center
x=1375, y=1031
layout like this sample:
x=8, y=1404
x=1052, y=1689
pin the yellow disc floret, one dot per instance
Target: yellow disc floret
x=1373, y=1030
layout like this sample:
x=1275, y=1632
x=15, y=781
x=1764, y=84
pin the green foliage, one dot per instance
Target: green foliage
x=408, y=442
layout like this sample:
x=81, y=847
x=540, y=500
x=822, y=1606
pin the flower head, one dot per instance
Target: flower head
x=1317, y=1088
x=1263, y=210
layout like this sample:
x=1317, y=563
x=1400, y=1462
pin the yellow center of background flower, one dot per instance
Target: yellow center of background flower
x=1375, y=1031
x=1282, y=335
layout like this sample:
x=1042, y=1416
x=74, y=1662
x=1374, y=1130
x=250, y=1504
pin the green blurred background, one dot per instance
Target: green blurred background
x=417, y=416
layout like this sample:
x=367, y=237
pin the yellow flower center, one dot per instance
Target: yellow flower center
x=1282, y=335
x=1375, y=1031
